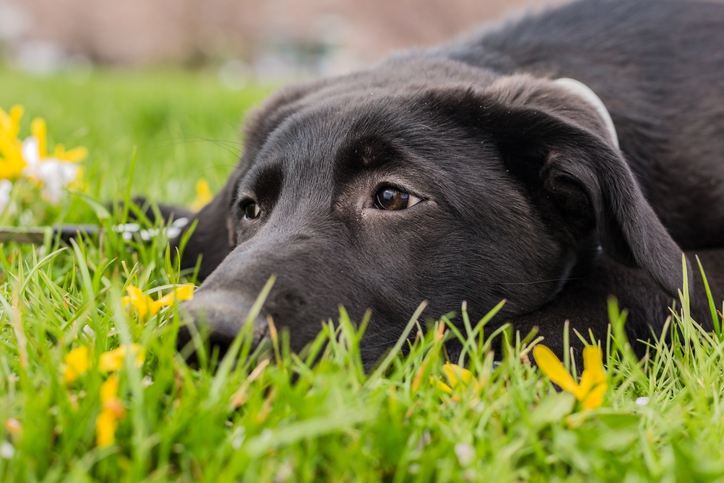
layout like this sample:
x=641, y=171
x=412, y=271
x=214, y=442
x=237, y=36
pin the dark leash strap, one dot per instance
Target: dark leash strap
x=37, y=235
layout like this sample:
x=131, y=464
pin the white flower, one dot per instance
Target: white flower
x=5, y=188
x=465, y=453
x=54, y=174
x=31, y=150
x=7, y=450
x=642, y=401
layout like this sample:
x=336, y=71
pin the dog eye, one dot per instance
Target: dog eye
x=251, y=209
x=393, y=199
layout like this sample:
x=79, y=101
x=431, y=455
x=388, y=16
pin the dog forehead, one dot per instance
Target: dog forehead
x=362, y=121
x=313, y=136
x=386, y=98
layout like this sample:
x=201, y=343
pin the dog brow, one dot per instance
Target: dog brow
x=366, y=152
x=265, y=184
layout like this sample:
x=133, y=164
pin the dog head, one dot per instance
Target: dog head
x=418, y=180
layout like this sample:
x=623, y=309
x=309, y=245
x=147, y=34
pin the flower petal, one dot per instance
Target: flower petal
x=31, y=151
x=441, y=386
x=593, y=363
x=593, y=377
x=10, y=124
x=113, y=410
x=13, y=164
x=180, y=293
x=54, y=175
x=185, y=291
x=109, y=389
x=203, y=195
x=16, y=113
x=113, y=359
x=72, y=155
x=594, y=398
x=115, y=406
x=552, y=367
x=4, y=121
x=6, y=188
x=138, y=300
x=77, y=362
x=39, y=130
x=106, y=425
x=457, y=376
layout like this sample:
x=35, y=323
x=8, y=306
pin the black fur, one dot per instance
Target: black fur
x=521, y=186
x=584, y=302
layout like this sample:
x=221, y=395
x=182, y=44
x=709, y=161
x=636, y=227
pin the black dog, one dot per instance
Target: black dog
x=470, y=172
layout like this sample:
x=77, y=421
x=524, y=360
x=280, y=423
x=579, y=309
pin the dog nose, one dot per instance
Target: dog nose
x=219, y=316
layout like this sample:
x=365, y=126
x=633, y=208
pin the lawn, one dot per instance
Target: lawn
x=75, y=408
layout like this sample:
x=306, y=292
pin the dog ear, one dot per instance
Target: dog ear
x=214, y=235
x=557, y=142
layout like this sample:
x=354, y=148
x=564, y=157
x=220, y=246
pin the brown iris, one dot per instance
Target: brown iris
x=251, y=209
x=392, y=199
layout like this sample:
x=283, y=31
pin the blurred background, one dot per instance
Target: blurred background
x=156, y=90
x=269, y=39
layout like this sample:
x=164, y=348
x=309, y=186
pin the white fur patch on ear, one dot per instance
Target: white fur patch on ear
x=582, y=90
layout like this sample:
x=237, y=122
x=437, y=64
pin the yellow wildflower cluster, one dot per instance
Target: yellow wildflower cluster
x=589, y=391
x=31, y=159
x=144, y=305
x=78, y=361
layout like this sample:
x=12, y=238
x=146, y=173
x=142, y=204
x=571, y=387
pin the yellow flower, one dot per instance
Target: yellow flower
x=31, y=158
x=180, y=293
x=144, y=304
x=109, y=389
x=593, y=383
x=53, y=171
x=140, y=301
x=39, y=130
x=203, y=195
x=11, y=160
x=113, y=360
x=106, y=425
x=72, y=155
x=77, y=362
x=11, y=156
x=112, y=412
x=10, y=123
x=459, y=379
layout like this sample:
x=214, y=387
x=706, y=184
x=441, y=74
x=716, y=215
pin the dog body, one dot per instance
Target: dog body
x=468, y=172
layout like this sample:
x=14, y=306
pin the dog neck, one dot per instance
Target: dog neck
x=583, y=91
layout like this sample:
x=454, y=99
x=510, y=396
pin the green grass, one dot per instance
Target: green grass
x=183, y=126
x=277, y=416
